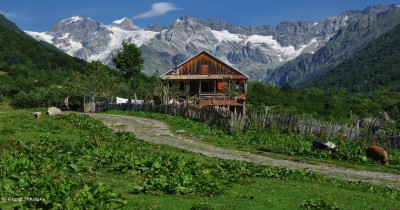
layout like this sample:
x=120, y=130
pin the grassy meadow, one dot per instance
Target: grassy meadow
x=73, y=161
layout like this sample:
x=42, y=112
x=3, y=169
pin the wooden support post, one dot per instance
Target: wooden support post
x=199, y=86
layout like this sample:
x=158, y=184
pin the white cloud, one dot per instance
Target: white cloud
x=157, y=9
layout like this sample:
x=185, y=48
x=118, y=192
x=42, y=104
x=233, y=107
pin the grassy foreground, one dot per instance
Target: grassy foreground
x=73, y=161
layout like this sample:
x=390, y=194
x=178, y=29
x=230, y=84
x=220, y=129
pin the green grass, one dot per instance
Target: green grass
x=273, y=143
x=257, y=193
x=260, y=194
x=74, y=161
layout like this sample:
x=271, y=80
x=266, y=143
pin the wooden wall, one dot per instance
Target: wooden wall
x=215, y=67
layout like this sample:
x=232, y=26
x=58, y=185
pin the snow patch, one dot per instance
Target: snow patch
x=118, y=35
x=189, y=39
x=41, y=36
x=75, y=46
x=263, y=43
x=71, y=48
x=64, y=36
x=120, y=21
x=74, y=18
x=224, y=35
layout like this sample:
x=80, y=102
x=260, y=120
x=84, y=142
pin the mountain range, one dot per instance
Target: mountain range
x=291, y=52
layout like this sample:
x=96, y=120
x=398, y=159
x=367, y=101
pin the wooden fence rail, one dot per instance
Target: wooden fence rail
x=236, y=122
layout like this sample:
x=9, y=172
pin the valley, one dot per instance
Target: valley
x=245, y=105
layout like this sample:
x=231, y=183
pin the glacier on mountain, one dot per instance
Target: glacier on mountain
x=118, y=35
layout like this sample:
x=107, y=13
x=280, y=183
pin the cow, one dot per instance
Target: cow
x=378, y=154
x=37, y=114
x=324, y=144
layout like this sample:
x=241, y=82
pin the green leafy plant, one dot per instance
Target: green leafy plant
x=315, y=204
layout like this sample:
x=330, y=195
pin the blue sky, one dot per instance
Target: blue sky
x=40, y=15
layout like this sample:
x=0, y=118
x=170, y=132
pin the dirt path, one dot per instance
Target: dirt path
x=159, y=132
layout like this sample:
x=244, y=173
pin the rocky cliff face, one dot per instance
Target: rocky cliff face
x=258, y=51
x=361, y=28
x=251, y=49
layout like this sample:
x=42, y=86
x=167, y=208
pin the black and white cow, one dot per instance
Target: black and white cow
x=324, y=144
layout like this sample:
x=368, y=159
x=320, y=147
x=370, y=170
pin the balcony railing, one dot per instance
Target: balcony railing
x=213, y=96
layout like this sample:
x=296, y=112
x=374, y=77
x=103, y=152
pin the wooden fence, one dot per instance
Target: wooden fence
x=236, y=122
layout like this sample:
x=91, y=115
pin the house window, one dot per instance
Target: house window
x=207, y=86
x=186, y=86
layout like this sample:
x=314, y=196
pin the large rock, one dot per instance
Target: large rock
x=53, y=111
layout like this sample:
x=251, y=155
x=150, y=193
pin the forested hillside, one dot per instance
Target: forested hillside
x=348, y=41
x=377, y=67
x=26, y=64
x=366, y=85
x=37, y=74
x=30, y=70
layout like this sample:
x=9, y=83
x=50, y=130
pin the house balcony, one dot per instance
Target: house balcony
x=213, y=96
x=220, y=99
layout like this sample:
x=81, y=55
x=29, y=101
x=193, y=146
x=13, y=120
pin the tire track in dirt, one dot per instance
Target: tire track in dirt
x=158, y=132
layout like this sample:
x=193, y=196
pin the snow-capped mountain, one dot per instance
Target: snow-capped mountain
x=92, y=40
x=250, y=49
x=254, y=50
x=364, y=27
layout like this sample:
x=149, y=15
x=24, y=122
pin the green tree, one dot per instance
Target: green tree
x=130, y=61
x=96, y=82
x=286, y=88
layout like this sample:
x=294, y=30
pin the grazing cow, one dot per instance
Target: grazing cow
x=37, y=114
x=323, y=144
x=378, y=154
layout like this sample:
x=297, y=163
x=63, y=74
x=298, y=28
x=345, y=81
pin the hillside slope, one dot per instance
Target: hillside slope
x=349, y=40
x=27, y=63
x=374, y=68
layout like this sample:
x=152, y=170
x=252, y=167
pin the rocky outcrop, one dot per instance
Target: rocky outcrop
x=53, y=111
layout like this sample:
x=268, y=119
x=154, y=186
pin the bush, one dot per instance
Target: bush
x=40, y=97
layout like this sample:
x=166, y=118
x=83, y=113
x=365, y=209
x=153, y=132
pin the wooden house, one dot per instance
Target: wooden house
x=208, y=81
